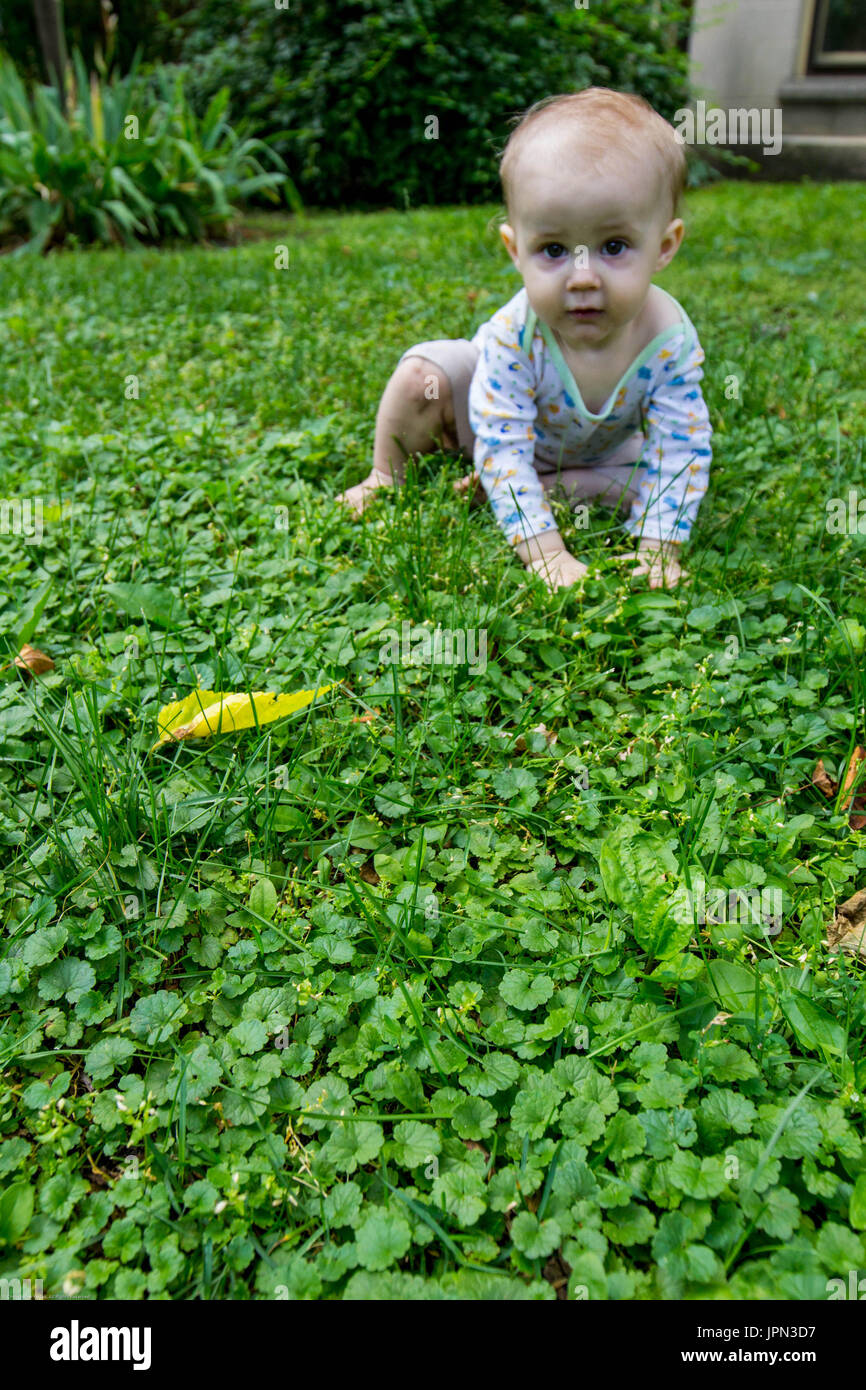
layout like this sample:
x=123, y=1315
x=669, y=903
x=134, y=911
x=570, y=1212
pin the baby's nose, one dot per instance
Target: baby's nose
x=581, y=270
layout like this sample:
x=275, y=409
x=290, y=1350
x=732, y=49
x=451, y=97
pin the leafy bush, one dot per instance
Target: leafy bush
x=345, y=89
x=156, y=28
x=121, y=165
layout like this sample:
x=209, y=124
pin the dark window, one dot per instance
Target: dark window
x=838, y=36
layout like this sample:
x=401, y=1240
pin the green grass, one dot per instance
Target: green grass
x=390, y=999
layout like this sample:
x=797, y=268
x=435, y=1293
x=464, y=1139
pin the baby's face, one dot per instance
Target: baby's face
x=587, y=240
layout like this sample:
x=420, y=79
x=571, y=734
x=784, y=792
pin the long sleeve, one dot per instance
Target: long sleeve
x=676, y=458
x=502, y=411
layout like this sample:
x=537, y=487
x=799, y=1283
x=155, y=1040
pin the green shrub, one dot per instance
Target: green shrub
x=122, y=165
x=343, y=88
x=155, y=28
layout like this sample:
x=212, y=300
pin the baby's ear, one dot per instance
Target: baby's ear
x=508, y=237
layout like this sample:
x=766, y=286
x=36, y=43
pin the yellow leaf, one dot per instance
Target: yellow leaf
x=206, y=712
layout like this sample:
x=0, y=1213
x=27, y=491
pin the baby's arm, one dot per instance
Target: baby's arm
x=678, y=456
x=502, y=411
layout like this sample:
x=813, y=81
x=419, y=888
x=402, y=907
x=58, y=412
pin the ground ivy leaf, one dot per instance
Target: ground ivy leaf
x=583, y=1120
x=68, y=979
x=535, y=1239
x=535, y=1105
x=106, y=1055
x=248, y=1036
x=698, y=1177
x=525, y=991
x=632, y=1224
x=354, y=1143
x=839, y=1249
x=42, y=946
x=415, y=1143
x=502, y=1069
x=341, y=1206
x=157, y=1016
x=383, y=1238
x=475, y=1118
x=624, y=1137
x=775, y=1211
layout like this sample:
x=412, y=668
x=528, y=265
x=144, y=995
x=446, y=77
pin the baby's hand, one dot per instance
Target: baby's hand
x=357, y=498
x=659, y=561
x=547, y=556
x=471, y=483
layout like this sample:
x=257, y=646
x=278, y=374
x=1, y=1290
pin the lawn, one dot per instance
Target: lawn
x=404, y=996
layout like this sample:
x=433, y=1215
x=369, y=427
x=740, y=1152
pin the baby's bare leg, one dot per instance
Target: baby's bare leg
x=415, y=416
x=610, y=485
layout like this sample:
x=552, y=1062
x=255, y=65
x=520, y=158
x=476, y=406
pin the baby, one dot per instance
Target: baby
x=588, y=379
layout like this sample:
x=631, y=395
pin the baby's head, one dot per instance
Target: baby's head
x=592, y=183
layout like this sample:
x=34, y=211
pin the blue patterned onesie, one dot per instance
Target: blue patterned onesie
x=525, y=407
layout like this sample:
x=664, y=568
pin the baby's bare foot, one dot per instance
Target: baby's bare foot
x=358, y=498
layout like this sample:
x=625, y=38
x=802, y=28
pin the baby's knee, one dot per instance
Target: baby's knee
x=424, y=385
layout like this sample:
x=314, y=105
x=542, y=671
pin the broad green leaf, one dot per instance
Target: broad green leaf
x=354, y=1143
x=415, y=1143
x=857, y=1206
x=156, y=604
x=535, y=1105
x=106, y=1056
x=263, y=898
x=68, y=978
x=16, y=1209
x=735, y=986
x=633, y=861
x=157, y=1016
x=393, y=800
x=813, y=1027
x=535, y=1239
x=249, y=1036
x=474, y=1118
x=660, y=921
x=43, y=946
x=382, y=1239
x=525, y=991
x=705, y=617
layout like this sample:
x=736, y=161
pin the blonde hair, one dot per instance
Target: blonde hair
x=611, y=122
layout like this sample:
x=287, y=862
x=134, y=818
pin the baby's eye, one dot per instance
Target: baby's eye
x=614, y=241
x=557, y=248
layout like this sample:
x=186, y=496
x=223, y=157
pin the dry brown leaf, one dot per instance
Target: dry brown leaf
x=368, y=873
x=473, y=1144
x=822, y=780
x=851, y=773
x=848, y=932
x=716, y=1022
x=33, y=660
x=825, y=783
